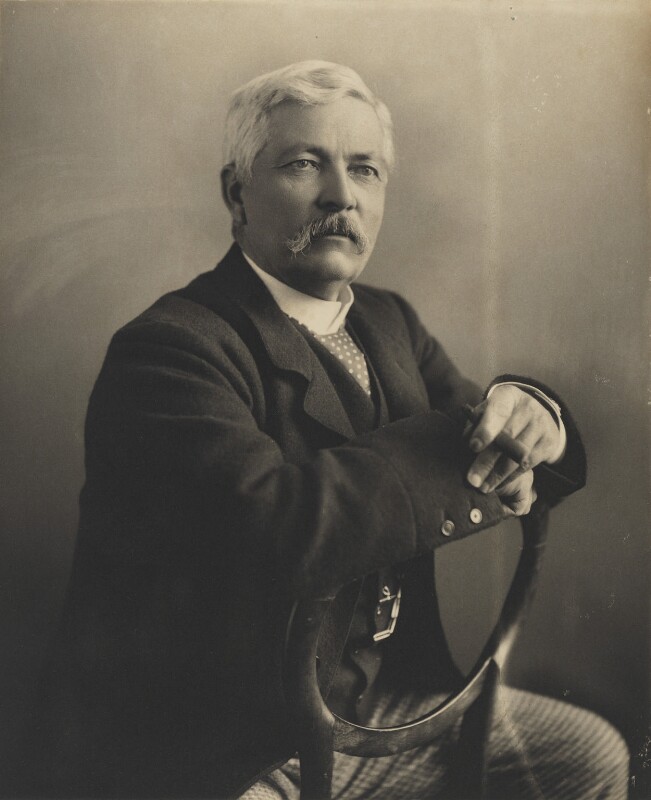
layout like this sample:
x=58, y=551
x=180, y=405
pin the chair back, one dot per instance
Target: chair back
x=321, y=732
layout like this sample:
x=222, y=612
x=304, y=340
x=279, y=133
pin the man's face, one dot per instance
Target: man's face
x=319, y=160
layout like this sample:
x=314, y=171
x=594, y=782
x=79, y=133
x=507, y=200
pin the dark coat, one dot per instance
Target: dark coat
x=224, y=481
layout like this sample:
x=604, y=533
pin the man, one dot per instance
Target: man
x=265, y=435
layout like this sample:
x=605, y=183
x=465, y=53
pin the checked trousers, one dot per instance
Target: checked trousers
x=538, y=749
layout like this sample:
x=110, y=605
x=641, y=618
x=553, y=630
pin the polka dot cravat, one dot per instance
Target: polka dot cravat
x=344, y=349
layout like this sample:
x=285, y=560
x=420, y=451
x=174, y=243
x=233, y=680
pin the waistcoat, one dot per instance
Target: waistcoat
x=351, y=667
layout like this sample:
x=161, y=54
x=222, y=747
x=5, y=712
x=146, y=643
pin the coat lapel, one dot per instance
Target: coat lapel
x=285, y=346
x=393, y=362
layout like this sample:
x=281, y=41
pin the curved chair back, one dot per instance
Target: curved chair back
x=321, y=732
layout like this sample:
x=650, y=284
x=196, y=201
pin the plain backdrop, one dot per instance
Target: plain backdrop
x=517, y=224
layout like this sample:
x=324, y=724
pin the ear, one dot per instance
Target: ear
x=232, y=194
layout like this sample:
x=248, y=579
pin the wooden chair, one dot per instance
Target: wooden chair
x=321, y=732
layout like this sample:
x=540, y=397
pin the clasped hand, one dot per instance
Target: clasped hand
x=523, y=418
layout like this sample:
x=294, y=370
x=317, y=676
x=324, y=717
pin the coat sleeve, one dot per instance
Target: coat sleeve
x=173, y=448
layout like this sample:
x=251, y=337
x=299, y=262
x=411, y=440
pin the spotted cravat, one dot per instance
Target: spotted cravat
x=344, y=349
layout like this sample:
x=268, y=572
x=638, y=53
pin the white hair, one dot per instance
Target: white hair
x=306, y=82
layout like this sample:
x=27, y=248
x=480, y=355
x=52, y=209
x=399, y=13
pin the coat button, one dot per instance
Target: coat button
x=476, y=516
x=447, y=528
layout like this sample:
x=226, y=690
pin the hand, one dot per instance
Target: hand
x=522, y=417
x=517, y=494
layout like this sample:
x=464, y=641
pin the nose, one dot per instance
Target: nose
x=336, y=190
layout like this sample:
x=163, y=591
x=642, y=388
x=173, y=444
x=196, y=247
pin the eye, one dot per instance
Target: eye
x=364, y=171
x=303, y=165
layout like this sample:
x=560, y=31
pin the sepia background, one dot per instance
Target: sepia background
x=517, y=224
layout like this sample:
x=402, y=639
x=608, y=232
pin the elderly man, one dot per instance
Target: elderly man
x=265, y=435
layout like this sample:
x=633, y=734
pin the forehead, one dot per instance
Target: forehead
x=344, y=127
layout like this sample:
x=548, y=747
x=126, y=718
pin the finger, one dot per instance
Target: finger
x=505, y=468
x=497, y=424
x=522, y=483
x=503, y=441
x=518, y=494
x=547, y=443
x=496, y=411
x=515, y=508
x=482, y=466
x=537, y=449
x=533, y=445
x=492, y=466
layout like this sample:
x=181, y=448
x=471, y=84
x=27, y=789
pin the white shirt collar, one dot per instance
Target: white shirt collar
x=320, y=316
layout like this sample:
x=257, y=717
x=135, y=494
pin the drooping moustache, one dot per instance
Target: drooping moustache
x=330, y=225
